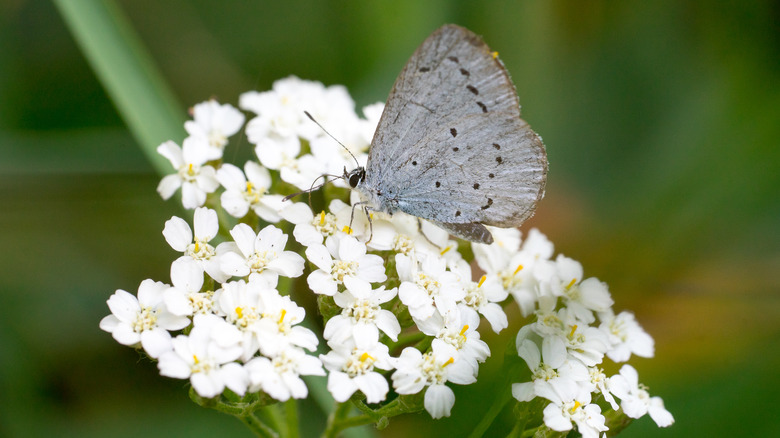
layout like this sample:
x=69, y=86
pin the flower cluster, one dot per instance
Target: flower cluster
x=399, y=303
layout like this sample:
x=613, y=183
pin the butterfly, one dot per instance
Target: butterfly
x=450, y=146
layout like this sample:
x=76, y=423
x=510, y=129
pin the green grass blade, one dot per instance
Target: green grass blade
x=128, y=74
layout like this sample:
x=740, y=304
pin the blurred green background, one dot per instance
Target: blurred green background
x=662, y=126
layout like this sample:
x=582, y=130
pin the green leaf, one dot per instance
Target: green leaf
x=127, y=72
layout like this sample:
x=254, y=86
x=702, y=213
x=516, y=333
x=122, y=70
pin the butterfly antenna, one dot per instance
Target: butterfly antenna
x=312, y=188
x=331, y=136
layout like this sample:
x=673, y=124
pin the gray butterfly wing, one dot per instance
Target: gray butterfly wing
x=451, y=146
x=453, y=73
x=485, y=168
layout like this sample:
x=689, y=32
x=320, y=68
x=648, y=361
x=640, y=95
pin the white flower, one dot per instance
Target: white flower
x=352, y=368
x=281, y=123
x=581, y=297
x=428, y=288
x=626, y=336
x=143, y=320
x=519, y=272
x=206, y=357
x=342, y=257
x=242, y=193
x=597, y=383
x=415, y=371
x=495, y=257
x=404, y=233
x=241, y=305
x=277, y=329
x=179, y=235
x=563, y=331
x=458, y=333
x=214, y=122
x=590, y=295
x=574, y=406
x=361, y=317
x=482, y=297
x=279, y=376
x=192, y=174
x=261, y=255
x=311, y=229
x=551, y=371
x=634, y=398
x=280, y=111
x=185, y=297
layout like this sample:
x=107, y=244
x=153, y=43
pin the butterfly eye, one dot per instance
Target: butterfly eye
x=356, y=177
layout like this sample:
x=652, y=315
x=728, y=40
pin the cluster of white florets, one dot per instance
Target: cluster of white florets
x=236, y=329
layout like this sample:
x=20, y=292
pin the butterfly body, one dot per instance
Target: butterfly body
x=450, y=146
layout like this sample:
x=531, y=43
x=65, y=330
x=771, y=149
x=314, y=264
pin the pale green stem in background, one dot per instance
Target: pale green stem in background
x=128, y=74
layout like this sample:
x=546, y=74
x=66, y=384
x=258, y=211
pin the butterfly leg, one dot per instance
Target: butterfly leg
x=364, y=206
x=370, y=224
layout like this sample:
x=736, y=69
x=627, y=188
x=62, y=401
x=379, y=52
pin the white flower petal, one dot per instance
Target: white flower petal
x=523, y=392
x=374, y=386
x=168, y=186
x=439, y=400
x=177, y=233
x=341, y=386
x=156, y=342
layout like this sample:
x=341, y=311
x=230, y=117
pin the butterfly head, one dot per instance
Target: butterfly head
x=355, y=176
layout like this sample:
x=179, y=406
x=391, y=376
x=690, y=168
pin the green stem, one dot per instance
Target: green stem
x=529, y=432
x=291, y=414
x=258, y=427
x=338, y=415
x=489, y=416
x=275, y=417
x=510, y=369
x=127, y=72
x=352, y=422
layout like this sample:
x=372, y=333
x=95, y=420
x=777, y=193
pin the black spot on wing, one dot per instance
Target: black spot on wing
x=454, y=132
x=482, y=105
x=473, y=90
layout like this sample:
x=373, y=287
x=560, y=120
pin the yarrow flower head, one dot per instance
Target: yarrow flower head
x=399, y=302
x=143, y=320
x=207, y=357
x=352, y=369
x=243, y=193
x=635, y=399
x=362, y=316
x=415, y=371
x=197, y=247
x=214, y=123
x=343, y=257
x=260, y=255
x=193, y=175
